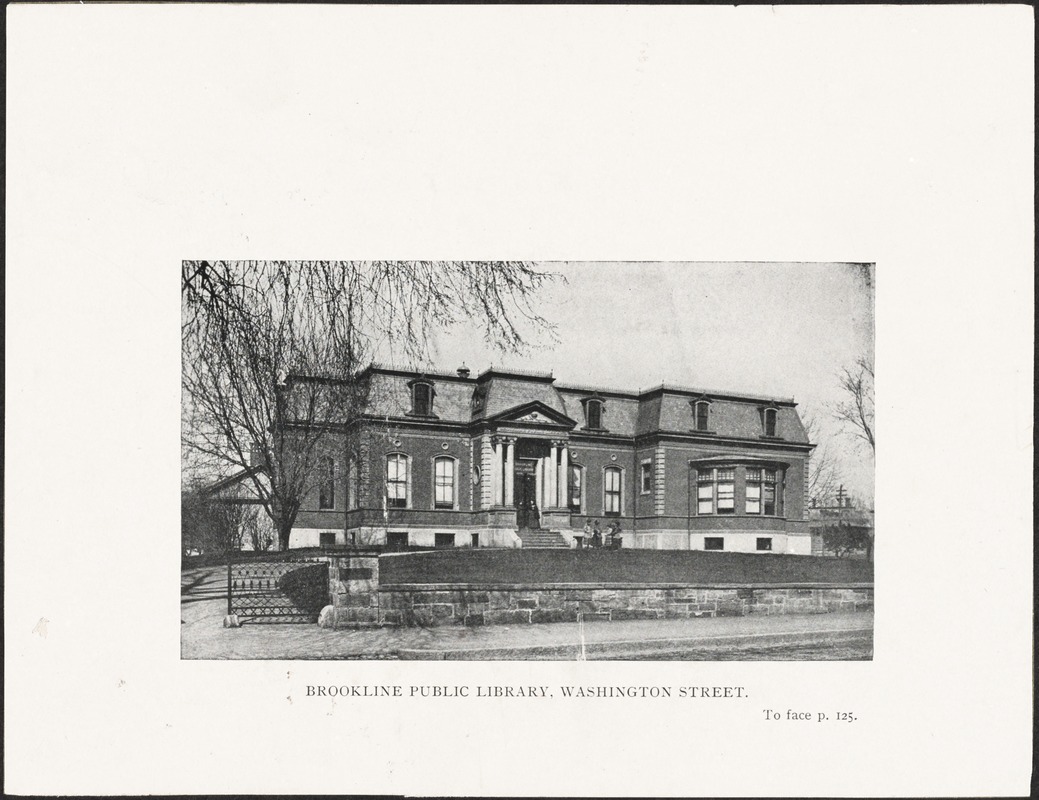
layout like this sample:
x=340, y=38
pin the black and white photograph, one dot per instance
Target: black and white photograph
x=651, y=461
x=483, y=400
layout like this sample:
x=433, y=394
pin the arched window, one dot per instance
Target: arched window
x=443, y=482
x=575, y=488
x=327, y=489
x=701, y=414
x=612, y=482
x=398, y=480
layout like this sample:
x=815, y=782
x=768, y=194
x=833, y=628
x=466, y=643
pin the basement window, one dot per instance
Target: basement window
x=765, y=543
x=714, y=543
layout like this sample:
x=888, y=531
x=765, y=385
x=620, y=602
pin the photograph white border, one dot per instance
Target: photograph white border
x=141, y=135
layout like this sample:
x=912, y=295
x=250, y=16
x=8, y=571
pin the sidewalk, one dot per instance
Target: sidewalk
x=826, y=636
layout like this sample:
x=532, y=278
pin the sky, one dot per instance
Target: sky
x=778, y=329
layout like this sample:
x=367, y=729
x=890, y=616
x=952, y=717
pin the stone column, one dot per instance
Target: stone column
x=552, y=485
x=510, y=471
x=539, y=473
x=564, y=477
x=496, y=477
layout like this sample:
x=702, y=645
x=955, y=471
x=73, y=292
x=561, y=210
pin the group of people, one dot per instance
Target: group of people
x=593, y=537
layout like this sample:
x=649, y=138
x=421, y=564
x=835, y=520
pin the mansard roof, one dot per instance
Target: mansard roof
x=495, y=393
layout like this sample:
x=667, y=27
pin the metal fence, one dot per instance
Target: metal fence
x=278, y=589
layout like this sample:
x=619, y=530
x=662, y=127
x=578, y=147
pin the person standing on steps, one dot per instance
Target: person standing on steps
x=596, y=535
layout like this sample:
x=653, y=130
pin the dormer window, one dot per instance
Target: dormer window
x=593, y=413
x=701, y=414
x=769, y=421
x=422, y=398
x=479, y=397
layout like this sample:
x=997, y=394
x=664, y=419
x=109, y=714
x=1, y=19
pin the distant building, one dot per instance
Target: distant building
x=255, y=529
x=838, y=511
x=509, y=459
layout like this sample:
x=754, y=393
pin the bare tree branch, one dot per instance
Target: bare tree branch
x=273, y=352
x=823, y=472
x=855, y=412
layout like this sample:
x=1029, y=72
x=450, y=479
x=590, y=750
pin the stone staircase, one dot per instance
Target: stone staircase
x=541, y=539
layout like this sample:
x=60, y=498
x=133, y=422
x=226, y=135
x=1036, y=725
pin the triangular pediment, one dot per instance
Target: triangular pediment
x=535, y=413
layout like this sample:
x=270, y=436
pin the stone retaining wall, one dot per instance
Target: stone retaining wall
x=358, y=599
x=491, y=605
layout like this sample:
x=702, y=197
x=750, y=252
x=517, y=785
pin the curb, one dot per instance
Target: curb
x=641, y=648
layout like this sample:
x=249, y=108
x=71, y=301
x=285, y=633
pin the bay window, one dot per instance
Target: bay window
x=716, y=491
x=761, y=491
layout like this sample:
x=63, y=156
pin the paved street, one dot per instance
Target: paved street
x=817, y=637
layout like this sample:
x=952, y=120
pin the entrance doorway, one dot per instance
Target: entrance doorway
x=527, y=513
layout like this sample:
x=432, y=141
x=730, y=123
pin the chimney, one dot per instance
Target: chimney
x=463, y=371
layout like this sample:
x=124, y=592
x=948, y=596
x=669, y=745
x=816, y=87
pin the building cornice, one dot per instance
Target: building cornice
x=547, y=377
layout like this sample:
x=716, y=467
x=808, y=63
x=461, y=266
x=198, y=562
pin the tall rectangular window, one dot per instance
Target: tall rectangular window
x=705, y=491
x=703, y=409
x=593, y=411
x=352, y=483
x=422, y=399
x=770, y=421
x=396, y=481
x=444, y=483
x=753, y=490
x=726, y=491
x=763, y=491
x=768, y=491
x=576, y=481
x=327, y=490
x=646, y=477
x=612, y=491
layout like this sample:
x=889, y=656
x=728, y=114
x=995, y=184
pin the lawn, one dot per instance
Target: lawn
x=621, y=566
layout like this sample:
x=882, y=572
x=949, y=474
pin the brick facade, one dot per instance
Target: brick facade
x=478, y=421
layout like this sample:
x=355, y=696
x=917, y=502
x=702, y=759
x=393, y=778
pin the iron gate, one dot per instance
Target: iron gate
x=287, y=589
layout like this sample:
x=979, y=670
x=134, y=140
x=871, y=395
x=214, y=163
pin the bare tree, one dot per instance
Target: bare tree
x=211, y=525
x=273, y=352
x=823, y=473
x=855, y=411
x=258, y=528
